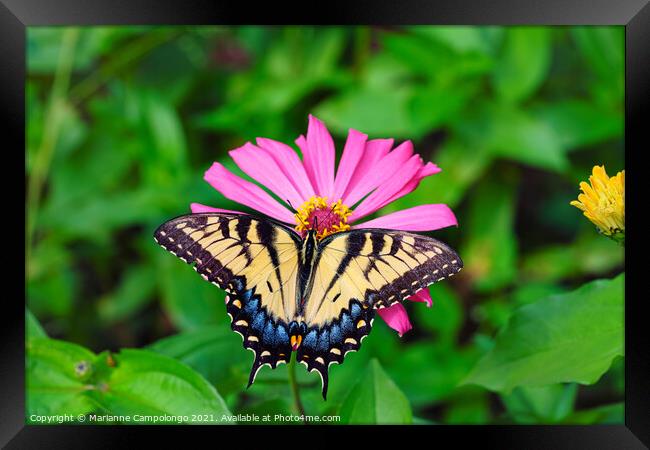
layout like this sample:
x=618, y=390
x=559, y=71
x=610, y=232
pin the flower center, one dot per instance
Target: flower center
x=326, y=218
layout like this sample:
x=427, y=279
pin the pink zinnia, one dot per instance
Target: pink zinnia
x=370, y=175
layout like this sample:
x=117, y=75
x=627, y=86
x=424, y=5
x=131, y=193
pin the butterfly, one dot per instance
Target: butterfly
x=317, y=298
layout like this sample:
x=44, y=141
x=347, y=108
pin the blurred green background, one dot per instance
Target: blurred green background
x=123, y=121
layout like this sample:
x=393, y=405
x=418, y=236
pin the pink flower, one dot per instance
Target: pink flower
x=370, y=176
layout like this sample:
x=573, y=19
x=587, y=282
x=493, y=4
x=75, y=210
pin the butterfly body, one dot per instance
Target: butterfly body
x=291, y=294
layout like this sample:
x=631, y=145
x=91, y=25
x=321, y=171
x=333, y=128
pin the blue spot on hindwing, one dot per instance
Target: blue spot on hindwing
x=237, y=284
x=355, y=310
x=324, y=341
x=251, y=306
x=346, y=323
x=269, y=333
x=310, y=339
x=282, y=335
x=335, y=334
x=258, y=321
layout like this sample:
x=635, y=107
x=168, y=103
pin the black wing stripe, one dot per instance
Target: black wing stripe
x=267, y=236
x=354, y=245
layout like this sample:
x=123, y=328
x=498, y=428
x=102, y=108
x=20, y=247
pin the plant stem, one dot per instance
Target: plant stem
x=53, y=118
x=295, y=389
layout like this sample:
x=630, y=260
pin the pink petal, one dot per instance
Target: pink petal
x=352, y=153
x=245, y=192
x=425, y=171
x=291, y=165
x=396, y=318
x=417, y=218
x=262, y=167
x=388, y=188
x=375, y=150
x=374, y=175
x=199, y=208
x=318, y=155
x=422, y=296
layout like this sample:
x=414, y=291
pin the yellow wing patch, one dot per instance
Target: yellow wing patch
x=238, y=253
x=377, y=268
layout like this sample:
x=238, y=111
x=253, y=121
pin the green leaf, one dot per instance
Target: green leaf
x=490, y=250
x=213, y=351
x=445, y=316
x=603, y=48
x=591, y=254
x=167, y=133
x=434, y=58
x=33, y=329
x=44, y=46
x=274, y=406
x=378, y=113
x=523, y=64
x=607, y=414
x=95, y=218
x=190, y=301
x=57, y=375
x=528, y=292
x=463, y=39
x=65, y=378
x=570, y=337
x=376, y=399
x=471, y=407
x=579, y=123
x=147, y=383
x=51, y=281
x=507, y=132
x=428, y=372
x=131, y=295
x=541, y=405
x=461, y=166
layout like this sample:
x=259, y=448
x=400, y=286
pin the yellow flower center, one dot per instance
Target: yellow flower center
x=326, y=218
x=603, y=201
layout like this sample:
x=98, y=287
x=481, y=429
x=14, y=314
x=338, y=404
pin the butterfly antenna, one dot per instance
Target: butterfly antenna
x=330, y=212
x=291, y=208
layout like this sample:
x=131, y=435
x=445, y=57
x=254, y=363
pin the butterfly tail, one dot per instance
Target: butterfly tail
x=257, y=365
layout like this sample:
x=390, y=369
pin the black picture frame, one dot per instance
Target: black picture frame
x=16, y=15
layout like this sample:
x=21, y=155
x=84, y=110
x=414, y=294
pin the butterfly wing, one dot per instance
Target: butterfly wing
x=358, y=272
x=256, y=262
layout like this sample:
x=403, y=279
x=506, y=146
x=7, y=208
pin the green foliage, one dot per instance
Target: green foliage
x=569, y=337
x=122, y=123
x=490, y=251
x=33, y=329
x=375, y=399
x=66, y=378
x=546, y=404
x=57, y=374
x=525, y=60
x=203, y=349
x=147, y=383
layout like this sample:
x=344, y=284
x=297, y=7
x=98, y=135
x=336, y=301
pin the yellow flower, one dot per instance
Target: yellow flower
x=603, y=202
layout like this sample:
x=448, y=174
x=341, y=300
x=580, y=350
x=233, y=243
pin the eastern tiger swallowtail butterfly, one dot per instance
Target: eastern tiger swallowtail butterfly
x=315, y=297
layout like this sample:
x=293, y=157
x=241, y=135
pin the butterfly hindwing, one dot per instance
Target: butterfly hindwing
x=267, y=338
x=255, y=261
x=327, y=344
x=358, y=272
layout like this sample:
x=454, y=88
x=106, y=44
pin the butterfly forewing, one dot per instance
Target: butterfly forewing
x=256, y=262
x=358, y=272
